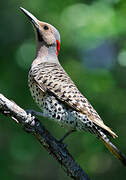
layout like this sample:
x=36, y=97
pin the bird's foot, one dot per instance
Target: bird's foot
x=62, y=144
x=66, y=135
x=33, y=112
x=30, y=121
x=28, y=129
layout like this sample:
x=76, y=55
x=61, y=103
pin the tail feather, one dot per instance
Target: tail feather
x=113, y=149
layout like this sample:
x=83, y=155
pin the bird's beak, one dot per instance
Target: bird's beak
x=32, y=18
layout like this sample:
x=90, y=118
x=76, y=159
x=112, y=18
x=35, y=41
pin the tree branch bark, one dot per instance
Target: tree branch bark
x=55, y=148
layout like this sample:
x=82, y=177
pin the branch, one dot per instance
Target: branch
x=55, y=148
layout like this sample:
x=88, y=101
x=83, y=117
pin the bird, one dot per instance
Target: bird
x=56, y=94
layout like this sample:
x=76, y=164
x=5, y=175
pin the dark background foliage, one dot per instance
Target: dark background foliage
x=93, y=52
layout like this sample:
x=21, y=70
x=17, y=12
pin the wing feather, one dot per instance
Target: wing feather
x=55, y=80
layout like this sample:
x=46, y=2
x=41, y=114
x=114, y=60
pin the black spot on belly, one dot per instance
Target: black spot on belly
x=71, y=122
x=58, y=117
x=54, y=115
x=37, y=94
x=90, y=123
x=59, y=109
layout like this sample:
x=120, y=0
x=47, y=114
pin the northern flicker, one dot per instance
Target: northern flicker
x=56, y=94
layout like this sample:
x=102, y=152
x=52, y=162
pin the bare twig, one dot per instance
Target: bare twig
x=55, y=148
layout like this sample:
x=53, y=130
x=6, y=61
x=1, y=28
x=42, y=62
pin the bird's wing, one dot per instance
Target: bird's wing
x=54, y=80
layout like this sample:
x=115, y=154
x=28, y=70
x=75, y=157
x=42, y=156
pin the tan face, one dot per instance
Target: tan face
x=47, y=32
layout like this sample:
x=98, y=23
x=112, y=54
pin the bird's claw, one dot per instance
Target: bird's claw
x=64, y=145
x=30, y=121
x=29, y=129
x=30, y=111
x=33, y=112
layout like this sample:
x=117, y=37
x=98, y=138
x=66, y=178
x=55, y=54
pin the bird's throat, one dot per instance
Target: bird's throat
x=45, y=54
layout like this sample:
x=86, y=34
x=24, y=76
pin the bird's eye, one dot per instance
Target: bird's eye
x=46, y=27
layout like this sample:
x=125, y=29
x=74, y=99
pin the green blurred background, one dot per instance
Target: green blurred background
x=93, y=52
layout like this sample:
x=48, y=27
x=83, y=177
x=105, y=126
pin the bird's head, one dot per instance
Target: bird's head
x=46, y=34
